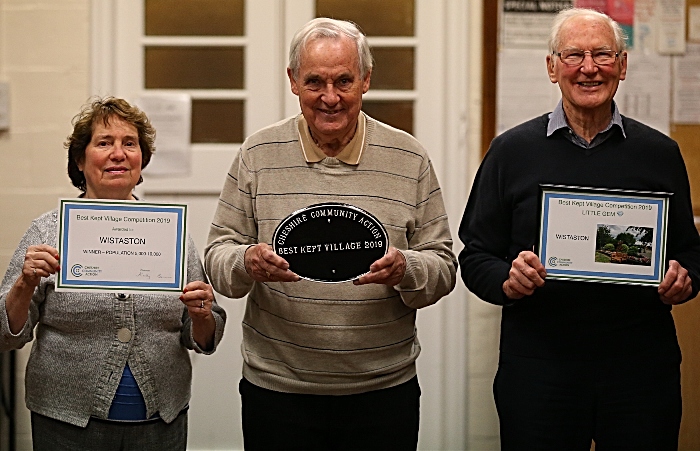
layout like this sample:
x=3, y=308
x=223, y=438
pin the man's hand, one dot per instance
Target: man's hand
x=676, y=286
x=263, y=265
x=525, y=275
x=388, y=270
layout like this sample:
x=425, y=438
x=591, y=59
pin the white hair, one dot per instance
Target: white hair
x=324, y=27
x=570, y=13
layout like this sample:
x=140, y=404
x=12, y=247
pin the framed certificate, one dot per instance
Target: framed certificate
x=122, y=246
x=599, y=235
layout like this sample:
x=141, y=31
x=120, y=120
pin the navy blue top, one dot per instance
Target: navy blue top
x=128, y=403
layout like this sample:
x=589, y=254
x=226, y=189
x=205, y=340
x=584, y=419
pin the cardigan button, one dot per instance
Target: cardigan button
x=122, y=296
x=124, y=335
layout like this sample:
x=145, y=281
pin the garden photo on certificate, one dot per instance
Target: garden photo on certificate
x=629, y=245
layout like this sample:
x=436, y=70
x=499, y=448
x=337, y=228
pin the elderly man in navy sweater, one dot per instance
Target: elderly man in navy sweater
x=580, y=361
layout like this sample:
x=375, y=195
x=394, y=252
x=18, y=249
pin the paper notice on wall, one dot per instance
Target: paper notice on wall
x=694, y=23
x=686, y=86
x=524, y=89
x=527, y=23
x=645, y=94
x=671, y=27
x=170, y=114
x=645, y=26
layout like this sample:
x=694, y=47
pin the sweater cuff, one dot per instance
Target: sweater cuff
x=414, y=278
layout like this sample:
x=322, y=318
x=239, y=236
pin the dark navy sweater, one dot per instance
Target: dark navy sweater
x=567, y=319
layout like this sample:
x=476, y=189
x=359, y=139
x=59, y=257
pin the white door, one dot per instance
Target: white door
x=129, y=61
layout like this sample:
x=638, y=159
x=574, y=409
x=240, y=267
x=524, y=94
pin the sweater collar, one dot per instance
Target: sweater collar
x=557, y=121
x=352, y=152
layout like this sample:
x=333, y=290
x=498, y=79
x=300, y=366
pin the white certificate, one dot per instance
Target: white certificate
x=121, y=246
x=596, y=235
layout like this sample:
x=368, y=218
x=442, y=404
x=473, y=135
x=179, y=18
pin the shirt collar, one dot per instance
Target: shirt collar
x=557, y=119
x=350, y=154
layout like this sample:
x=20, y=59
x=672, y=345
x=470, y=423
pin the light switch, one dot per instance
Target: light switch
x=4, y=105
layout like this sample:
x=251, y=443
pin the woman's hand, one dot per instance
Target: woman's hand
x=40, y=261
x=198, y=296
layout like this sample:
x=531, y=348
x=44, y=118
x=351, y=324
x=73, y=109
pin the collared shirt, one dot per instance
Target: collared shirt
x=350, y=154
x=557, y=120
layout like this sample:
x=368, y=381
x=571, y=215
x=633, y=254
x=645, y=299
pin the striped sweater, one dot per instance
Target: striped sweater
x=331, y=339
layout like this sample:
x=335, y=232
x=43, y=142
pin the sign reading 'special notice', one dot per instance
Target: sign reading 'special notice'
x=330, y=242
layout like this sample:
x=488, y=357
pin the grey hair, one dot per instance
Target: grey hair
x=325, y=28
x=570, y=13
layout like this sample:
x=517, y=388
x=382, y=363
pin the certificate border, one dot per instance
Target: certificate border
x=589, y=193
x=177, y=285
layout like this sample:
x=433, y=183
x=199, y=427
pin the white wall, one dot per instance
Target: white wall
x=45, y=53
x=44, y=48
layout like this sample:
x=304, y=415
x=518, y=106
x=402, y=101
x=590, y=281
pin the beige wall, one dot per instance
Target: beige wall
x=44, y=56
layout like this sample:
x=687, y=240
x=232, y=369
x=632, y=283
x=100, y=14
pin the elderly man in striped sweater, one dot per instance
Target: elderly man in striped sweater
x=331, y=366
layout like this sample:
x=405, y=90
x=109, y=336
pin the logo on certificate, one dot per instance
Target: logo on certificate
x=76, y=270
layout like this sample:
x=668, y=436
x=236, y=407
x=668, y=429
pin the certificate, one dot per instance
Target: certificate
x=598, y=235
x=121, y=246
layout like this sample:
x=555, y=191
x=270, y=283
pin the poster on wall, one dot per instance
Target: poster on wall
x=171, y=115
x=671, y=20
x=621, y=11
x=644, y=35
x=645, y=93
x=526, y=24
x=694, y=24
x=518, y=68
x=686, y=86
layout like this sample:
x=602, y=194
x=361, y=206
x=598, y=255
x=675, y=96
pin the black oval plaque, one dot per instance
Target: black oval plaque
x=330, y=242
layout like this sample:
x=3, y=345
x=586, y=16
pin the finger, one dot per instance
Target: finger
x=679, y=291
x=670, y=276
x=197, y=306
x=384, y=262
x=388, y=270
x=263, y=265
x=386, y=276
x=676, y=286
x=532, y=260
x=198, y=285
x=272, y=262
x=195, y=296
x=514, y=290
x=525, y=275
x=275, y=268
x=43, y=252
x=43, y=248
x=678, y=298
x=520, y=284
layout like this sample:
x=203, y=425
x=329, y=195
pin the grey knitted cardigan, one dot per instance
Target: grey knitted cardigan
x=77, y=360
x=331, y=339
